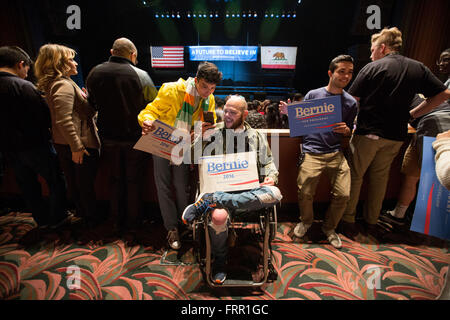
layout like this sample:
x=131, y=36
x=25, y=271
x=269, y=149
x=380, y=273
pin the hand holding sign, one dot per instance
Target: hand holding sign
x=147, y=127
x=267, y=182
x=341, y=127
x=163, y=140
x=284, y=106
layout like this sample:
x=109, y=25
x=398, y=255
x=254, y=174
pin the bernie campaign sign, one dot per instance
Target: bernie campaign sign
x=314, y=116
x=161, y=142
x=229, y=172
x=432, y=212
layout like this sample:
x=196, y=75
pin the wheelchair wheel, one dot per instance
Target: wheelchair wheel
x=273, y=221
x=198, y=237
x=268, y=219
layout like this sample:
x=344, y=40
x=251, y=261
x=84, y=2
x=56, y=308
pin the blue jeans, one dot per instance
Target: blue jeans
x=252, y=200
x=43, y=161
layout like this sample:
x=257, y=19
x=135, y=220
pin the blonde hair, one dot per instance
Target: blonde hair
x=392, y=38
x=52, y=64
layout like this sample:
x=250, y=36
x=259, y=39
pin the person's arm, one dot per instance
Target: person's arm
x=442, y=158
x=429, y=104
x=62, y=95
x=267, y=167
x=90, y=92
x=346, y=126
x=148, y=87
x=161, y=106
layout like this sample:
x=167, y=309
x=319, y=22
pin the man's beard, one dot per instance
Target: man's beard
x=237, y=123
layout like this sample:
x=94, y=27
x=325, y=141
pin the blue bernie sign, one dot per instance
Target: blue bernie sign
x=432, y=212
x=314, y=116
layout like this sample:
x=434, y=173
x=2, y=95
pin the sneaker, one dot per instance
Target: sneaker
x=219, y=277
x=301, y=229
x=334, y=239
x=387, y=217
x=174, y=239
x=195, y=210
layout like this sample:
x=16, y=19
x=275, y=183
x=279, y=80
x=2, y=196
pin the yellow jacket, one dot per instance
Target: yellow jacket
x=168, y=103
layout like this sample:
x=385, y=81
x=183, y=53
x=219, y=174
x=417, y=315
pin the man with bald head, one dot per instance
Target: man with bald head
x=119, y=91
x=222, y=204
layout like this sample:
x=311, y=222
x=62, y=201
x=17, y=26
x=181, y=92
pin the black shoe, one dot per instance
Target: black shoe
x=388, y=218
x=173, y=238
x=65, y=221
x=371, y=229
x=348, y=229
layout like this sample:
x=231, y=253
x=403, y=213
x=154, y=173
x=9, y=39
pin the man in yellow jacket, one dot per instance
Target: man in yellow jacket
x=179, y=104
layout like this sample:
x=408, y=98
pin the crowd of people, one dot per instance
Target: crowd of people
x=263, y=114
x=60, y=131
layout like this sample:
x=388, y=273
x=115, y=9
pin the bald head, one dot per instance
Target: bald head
x=235, y=112
x=237, y=101
x=123, y=47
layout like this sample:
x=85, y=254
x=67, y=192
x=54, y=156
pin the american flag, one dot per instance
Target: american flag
x=167, y=57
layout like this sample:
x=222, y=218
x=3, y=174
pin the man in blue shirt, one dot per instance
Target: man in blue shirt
x=322, y=154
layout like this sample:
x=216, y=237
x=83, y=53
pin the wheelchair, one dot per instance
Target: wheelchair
x=263, y=223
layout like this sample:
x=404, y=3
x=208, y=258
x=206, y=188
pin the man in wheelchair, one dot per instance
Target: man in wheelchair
x=233, y=135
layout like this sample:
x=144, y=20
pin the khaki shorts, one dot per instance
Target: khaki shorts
x=410, y=164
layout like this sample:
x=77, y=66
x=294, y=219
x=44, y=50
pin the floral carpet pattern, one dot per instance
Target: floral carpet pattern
x=58, y=268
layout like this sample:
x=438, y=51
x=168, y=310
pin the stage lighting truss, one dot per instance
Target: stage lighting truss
x=280, y=15
x=250, y=14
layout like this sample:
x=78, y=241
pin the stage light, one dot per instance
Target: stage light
x=189, y=14
x=255, y=15
x=244, y=15
x=194, y=15
x=271, y=15
x=156, y=16
x=178, y=15
x=217, y=15
x=294, y=15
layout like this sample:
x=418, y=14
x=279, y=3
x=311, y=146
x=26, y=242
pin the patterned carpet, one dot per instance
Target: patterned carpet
x=56, y=266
